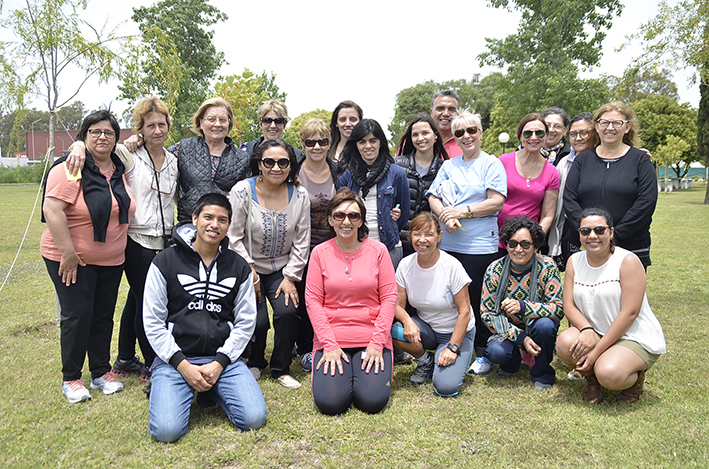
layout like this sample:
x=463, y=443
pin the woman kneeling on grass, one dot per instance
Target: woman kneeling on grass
x=615, y=338
x=435, y=283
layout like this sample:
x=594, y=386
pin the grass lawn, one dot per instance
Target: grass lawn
x=494, y=422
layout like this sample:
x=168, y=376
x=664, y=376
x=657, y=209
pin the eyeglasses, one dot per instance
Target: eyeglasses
x=556, y=126
x=212, y=120
x=269, y=163
x=310, y=143
x=616, y=124
x=599, y=230
x=471, y=130
x=513, y=243
x=581, y=134
x=96, y=133
x=540, y=133
x=277, y=120
x=353, y=216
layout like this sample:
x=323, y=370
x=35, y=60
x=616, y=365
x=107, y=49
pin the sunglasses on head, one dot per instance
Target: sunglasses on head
x=269, y=163
x=599, y=230
x=539, y=133
x=310, y=143
x=277, y=120
x=471, y=130
x=513, y=243
x=353, y=216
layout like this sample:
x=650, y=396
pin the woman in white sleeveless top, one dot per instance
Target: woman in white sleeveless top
x=614, y=337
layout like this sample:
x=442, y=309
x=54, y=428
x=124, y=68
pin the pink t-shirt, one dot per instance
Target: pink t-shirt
x=351, y=313
x=523, y=200
x=452, y=148
x=81, y=229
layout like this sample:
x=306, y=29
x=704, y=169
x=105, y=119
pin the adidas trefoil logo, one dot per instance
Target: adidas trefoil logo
x=202, y=289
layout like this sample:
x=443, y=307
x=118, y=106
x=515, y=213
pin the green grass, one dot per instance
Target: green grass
x=494, y=422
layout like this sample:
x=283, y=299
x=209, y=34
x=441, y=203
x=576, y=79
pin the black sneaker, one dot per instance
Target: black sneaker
x=422, y=373
x=131, y=367
x=401, y=357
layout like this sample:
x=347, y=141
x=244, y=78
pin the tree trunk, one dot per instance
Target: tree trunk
x=52, y=116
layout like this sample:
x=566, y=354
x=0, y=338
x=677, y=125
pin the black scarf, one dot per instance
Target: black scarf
x=97, y=195
x=367, y=176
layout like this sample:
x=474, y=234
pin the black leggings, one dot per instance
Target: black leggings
x=369, y=392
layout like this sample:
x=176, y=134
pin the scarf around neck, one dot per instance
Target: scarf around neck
x=367, y=176
x=499, y=320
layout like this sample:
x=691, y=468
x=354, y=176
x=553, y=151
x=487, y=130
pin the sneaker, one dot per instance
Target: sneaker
x=306, y=360
x=422, y=373
x=206, y=399
x=256, y=372
x=287, y=381
x=75, y=391
x=481, y=366
x=575, y=375
x=528, y=358
x=539, y=386
x=401, y=357
x=107, y=383
x=504, y=374
x=131, y=367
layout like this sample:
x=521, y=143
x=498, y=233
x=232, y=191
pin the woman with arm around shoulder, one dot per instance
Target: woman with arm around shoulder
x=467, y=195
x=351, y=297
x=614, y=337
x=271, y=230
x=434, y=283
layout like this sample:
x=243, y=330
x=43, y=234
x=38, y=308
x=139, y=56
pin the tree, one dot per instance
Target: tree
x=53, y=40
x=663, y=121
x=292, y=133
x=177, y=59
x=635, y=85
x=678, y=38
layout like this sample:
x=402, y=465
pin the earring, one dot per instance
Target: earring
x=260, y=175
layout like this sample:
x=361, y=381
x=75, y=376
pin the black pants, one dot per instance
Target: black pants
x=86, y=317
x=475, y=265
x=285, y=325
x=304, y=340
x=138, y=260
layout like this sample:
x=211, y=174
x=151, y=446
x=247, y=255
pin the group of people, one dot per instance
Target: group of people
x=444, y=252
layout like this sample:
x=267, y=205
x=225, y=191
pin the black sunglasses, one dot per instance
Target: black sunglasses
x=310, y=143
x=269, y=163
x=353, y=216
x=539, y=133
x=277, y=120
x=471, y=130
x=513, y=243
x=599, y=230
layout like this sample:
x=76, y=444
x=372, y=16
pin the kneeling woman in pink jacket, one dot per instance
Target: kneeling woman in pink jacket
x=351, y=299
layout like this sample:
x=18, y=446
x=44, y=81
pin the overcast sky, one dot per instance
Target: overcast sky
x=323, y=52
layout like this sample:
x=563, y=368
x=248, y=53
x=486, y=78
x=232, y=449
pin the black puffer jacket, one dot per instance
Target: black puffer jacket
x=195, y=166
x=417, y=187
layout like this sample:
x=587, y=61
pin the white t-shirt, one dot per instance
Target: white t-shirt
x=370, y=203
x=431, y=290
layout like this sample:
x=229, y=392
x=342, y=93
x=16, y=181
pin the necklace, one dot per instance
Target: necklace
x=468, y=166
x=534, y=170
x=347, y=259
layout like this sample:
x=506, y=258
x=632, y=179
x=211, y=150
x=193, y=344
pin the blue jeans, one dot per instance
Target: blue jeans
x=505, y=353
x=236, y=391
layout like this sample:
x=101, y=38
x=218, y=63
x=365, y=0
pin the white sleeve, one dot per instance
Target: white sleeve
x=244, y=321
x=155, y=315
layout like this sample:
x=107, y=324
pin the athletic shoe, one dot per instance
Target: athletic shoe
x=422, y=373
x=528, y=358
x=131, y=367
x=107, y=383
x=401, y=357
x=256, y=372
x=75, y=391
x=306, y=360
x=206, y=399
x=287, y=381
x=539, y=386
x=504, y=374
x=481, y=366
x=575, y=375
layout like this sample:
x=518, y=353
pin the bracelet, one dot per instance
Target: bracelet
x=258, y=279
x=585, y=329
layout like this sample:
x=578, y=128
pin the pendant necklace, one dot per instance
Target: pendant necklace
x=346, y=259
x=529, y=178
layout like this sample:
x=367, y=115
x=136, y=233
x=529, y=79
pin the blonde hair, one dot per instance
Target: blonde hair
x=211, y=102
x=632, y=138
x=314, y=126
x=465, y=118
x=279, y=107
x=146, y=106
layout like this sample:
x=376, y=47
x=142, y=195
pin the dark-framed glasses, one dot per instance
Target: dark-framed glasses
x=604, y=123
x=540, y=133
x=513, y=243
x=277, y=120
x=353, y=216
x=269, y=163
x=96, y=133
x=310, y=143
x=471, y=130
x=581, y=133
x=599, y=230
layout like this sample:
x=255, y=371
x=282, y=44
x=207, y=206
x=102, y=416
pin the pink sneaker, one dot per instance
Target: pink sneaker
x=528, y=358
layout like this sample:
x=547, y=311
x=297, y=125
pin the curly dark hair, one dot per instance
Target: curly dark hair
x=514, y=224
x=345, y=194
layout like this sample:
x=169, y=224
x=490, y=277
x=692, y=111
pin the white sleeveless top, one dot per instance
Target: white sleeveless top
x=597, y=295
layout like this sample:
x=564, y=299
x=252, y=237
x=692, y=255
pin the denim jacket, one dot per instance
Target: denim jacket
x=393, y=189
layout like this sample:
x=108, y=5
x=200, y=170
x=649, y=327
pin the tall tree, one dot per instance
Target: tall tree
x=53, y=41
x=678, y=38
x=178, y=59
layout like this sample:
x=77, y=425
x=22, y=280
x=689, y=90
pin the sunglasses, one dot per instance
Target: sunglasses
x=270, y=120
x=269, y=163
x=460, y=132
x=353, y=216
x=539, y=133
x=599, y=230
x=513, y=243
x=310, y=143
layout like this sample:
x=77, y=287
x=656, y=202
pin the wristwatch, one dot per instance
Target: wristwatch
x=453, y=348
x=470, y=214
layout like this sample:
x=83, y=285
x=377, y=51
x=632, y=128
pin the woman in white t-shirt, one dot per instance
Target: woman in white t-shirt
x=435, y=284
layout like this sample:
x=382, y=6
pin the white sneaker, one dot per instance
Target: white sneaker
x=481, y=366
x=75, y=391
x=256, y=372
x=107, y=383
x=288, y=381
